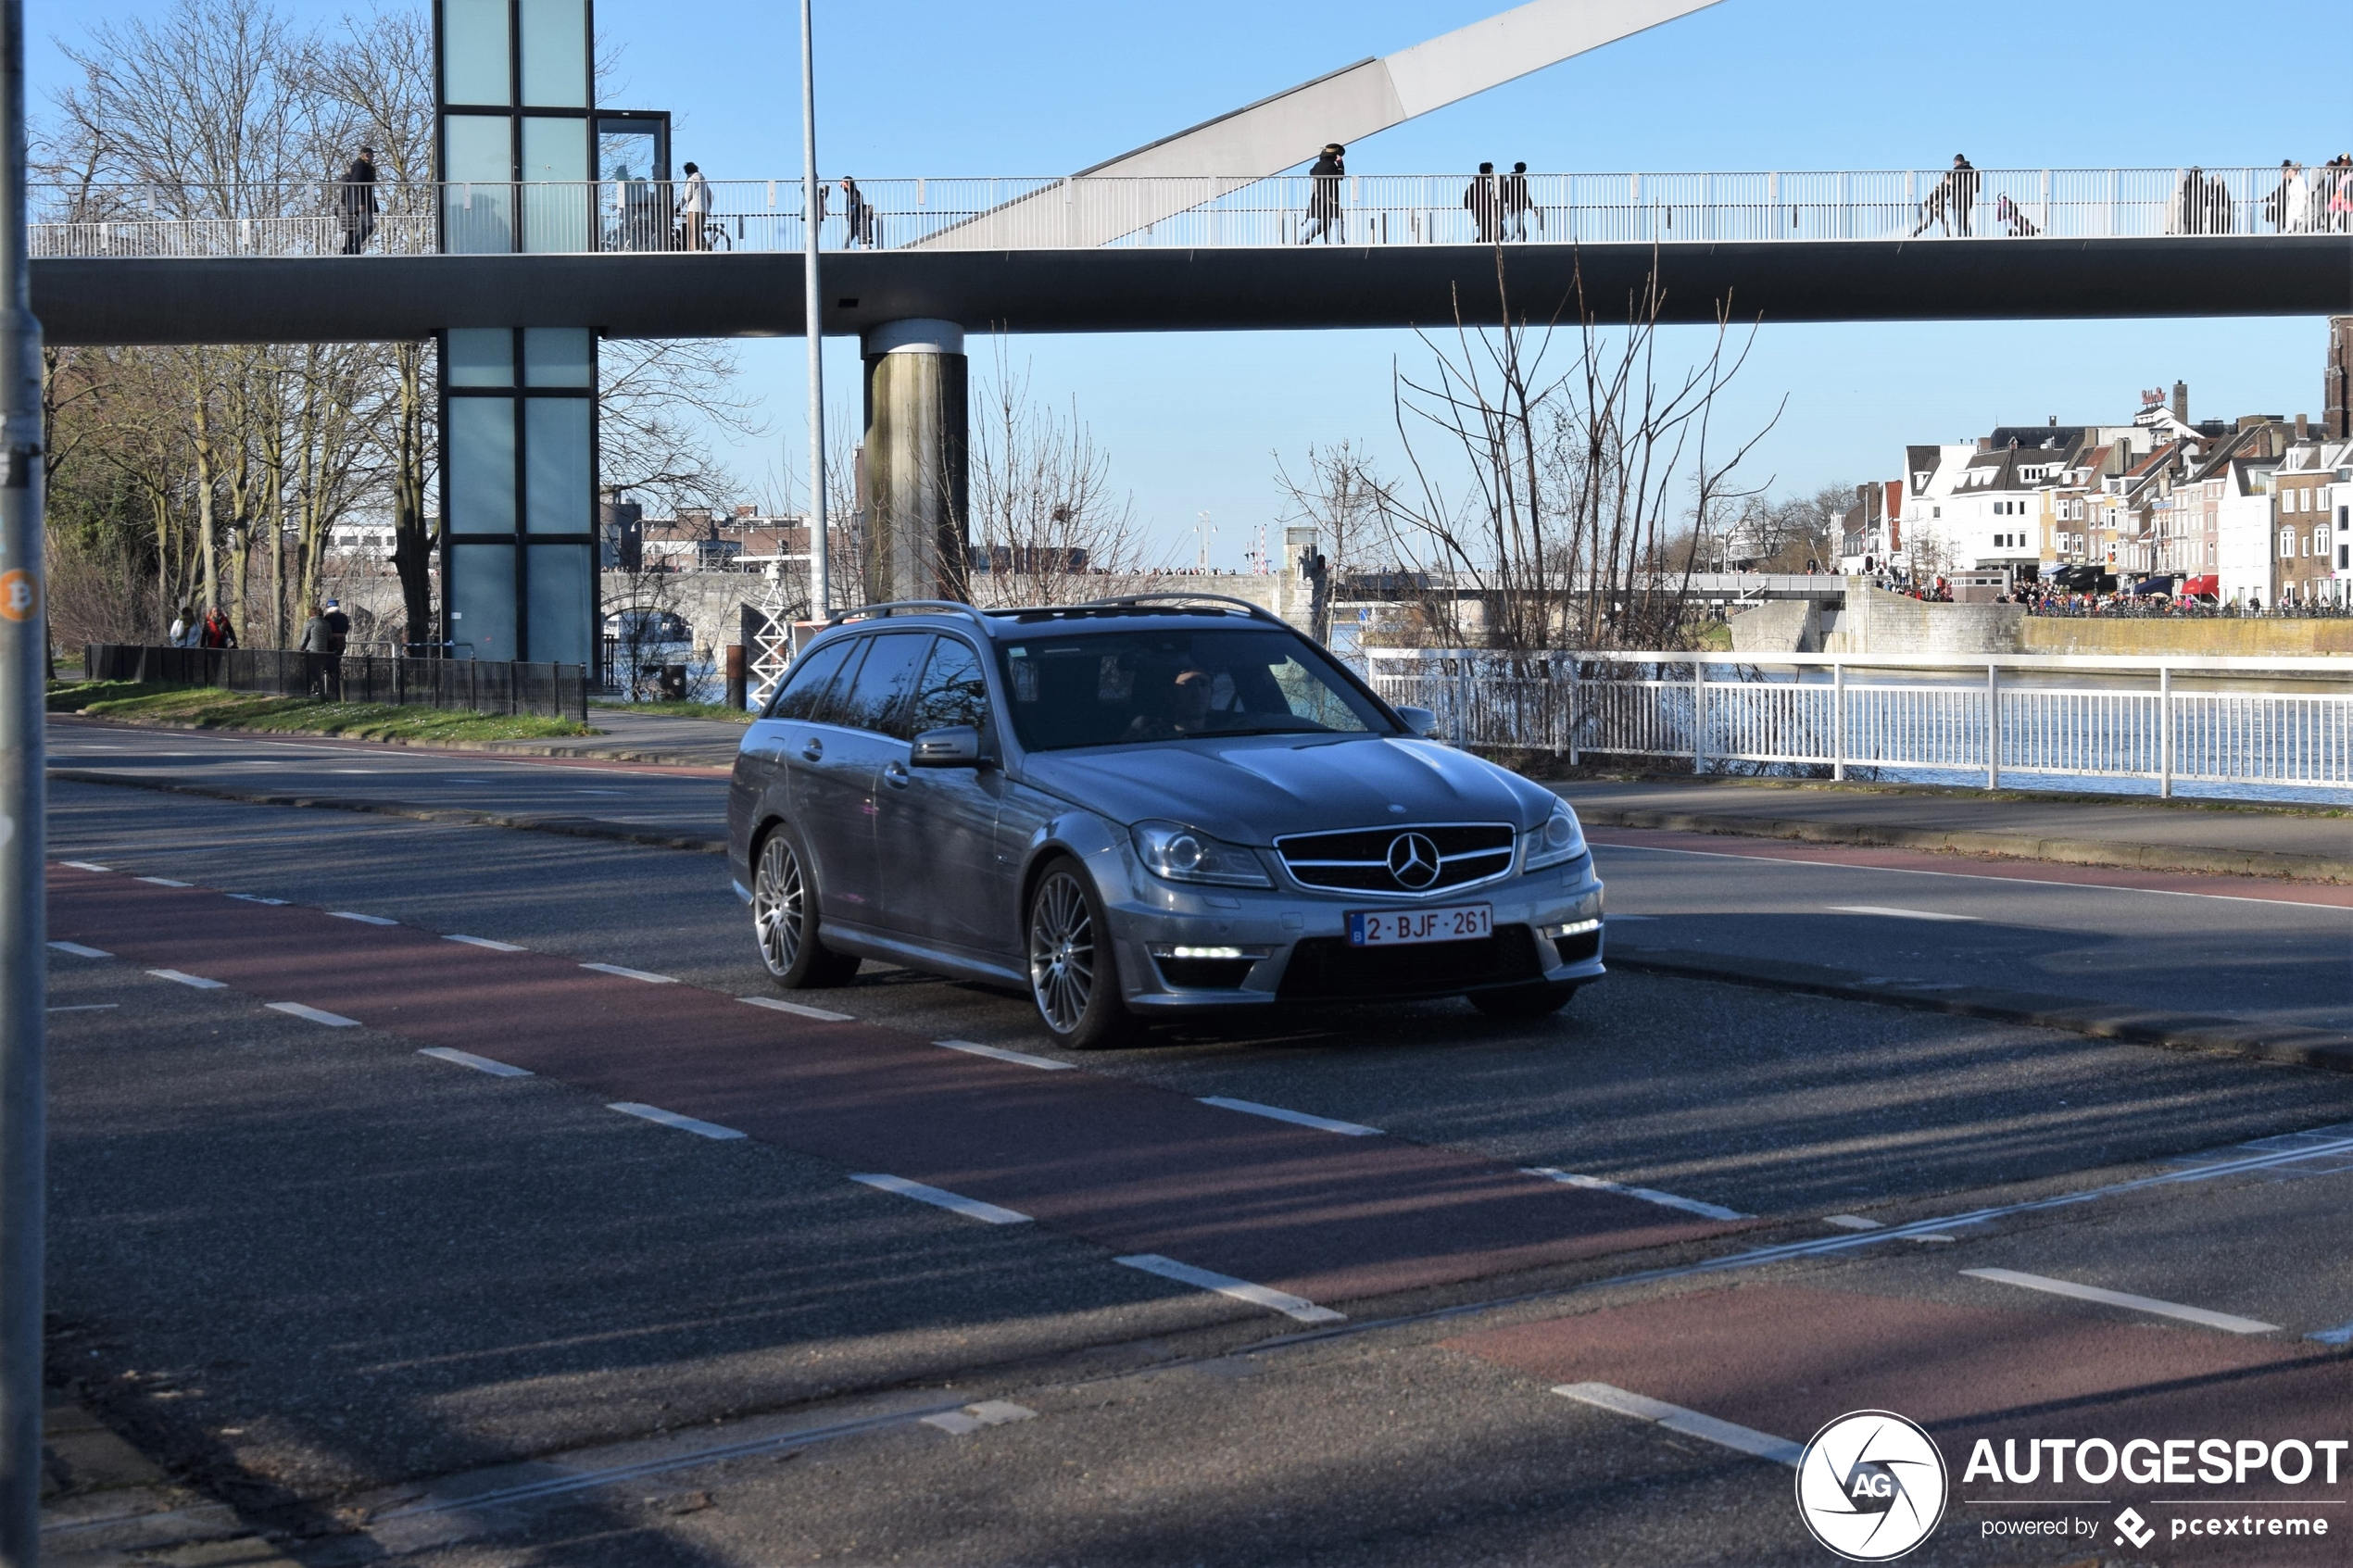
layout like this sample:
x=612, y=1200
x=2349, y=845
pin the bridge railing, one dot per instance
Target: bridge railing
x=2227, y=726
x=329, y=218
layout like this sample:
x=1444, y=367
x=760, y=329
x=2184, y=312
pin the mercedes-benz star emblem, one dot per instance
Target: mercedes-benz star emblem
x=1413, y=860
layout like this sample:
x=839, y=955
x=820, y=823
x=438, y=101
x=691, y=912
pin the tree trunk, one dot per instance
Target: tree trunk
x=411, y=539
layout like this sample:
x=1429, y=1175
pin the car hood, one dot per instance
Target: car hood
x=1255, y=789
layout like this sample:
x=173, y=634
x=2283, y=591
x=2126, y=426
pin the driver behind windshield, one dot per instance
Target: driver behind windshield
x=1188, y=708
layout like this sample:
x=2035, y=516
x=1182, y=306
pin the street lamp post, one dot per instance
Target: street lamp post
x=23, y=956
x=820, y=585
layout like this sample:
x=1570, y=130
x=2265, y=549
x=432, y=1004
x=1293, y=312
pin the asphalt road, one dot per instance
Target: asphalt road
x=400, y=1307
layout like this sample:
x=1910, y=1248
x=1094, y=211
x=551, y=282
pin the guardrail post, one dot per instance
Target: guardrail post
x=2165, y=731
x=1572, y=712
x=1993, y=725
x=1838, y=720
x=1699, y=714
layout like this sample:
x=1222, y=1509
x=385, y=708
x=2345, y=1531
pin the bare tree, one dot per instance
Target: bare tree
x=1046, y=525
x=1548, y=526
x=655, y=393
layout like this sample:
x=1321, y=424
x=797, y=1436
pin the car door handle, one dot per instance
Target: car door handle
x=895, y=774
x=812, y=748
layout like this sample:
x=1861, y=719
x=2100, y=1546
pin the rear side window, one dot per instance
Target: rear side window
x=805, y=687
x=877, y=700
x=953, y=691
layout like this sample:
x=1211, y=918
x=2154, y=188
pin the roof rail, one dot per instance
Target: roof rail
x=905, y=606
x=1260, y=612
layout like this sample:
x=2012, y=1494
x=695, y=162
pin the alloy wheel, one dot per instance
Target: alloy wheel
x=1062, y=951
x=778, y=900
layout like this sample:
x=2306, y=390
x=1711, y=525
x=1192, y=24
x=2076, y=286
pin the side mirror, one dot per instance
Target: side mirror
x=1421, y=721
x=955, y=746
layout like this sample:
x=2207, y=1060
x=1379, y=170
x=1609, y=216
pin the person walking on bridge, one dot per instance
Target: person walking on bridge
x=857, y=217
x=1950, y=204
x=1480, y=198
x=1516, y=204
x=1324, y=205
x=694, y=209
x=356, y=200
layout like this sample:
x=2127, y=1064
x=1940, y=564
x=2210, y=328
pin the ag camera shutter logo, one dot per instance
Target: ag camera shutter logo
x=1870, y=1485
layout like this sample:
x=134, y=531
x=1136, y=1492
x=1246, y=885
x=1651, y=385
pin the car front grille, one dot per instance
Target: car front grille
x=1327, y=968
x=1370, y=859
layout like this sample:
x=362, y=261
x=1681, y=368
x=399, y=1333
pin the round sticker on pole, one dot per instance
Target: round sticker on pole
x=19, y=595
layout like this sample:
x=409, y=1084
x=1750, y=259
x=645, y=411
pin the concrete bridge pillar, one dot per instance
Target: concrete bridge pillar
x=917, y=528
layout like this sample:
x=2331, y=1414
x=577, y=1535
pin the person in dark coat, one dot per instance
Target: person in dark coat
x=217, y=632
x=1480, y=198
x=1514, y=202
x=1324, y=204
x=356, y=200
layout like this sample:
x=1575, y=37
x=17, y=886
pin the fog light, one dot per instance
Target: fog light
x=1209, y=952
x=1573, y=928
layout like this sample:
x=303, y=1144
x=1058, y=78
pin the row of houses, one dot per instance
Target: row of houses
x=2258, y=509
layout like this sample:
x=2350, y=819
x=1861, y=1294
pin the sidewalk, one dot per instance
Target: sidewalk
x=2307, y=844
x=641, y=737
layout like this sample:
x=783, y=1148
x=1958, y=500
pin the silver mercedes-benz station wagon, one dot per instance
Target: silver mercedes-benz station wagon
x=1138, y=809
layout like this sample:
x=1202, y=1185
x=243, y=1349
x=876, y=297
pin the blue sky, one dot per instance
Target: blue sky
x=1191, y=421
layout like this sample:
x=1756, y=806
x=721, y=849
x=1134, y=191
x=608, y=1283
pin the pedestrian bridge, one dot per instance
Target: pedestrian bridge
x=157, y=263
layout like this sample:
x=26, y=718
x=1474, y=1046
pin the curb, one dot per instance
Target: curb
x=2009, y=846
x=2291, y=1044
x=489, y=748
x=571, y=827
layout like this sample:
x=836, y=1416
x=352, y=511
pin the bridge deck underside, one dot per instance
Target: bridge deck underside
x=668, y=294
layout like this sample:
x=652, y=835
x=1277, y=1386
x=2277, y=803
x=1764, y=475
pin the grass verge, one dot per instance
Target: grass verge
x=209, y=707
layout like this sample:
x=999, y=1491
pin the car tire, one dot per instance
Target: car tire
x=783, y=920
x=1525, y=1001
x=1074, y=976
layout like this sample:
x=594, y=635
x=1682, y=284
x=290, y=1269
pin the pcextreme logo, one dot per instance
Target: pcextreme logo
x=1870, y=1485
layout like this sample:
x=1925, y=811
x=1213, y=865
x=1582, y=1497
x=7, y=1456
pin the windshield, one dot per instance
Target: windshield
x=1115, y=688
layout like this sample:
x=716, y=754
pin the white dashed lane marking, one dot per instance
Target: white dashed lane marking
x=799, y=1010
x=79, y=951
x=1296, y=1118
x=479, y=1063
x=85, y=865
x=999, y=1053
x=163, y=882
x=485, y=941
x=316, y=1015
x=1648, y=1194
x=973, y=1417
x=1691, y=1423
x=671, y=1119
x=363, y=919
x=1283, y=1301
x=940, y=1198
x=198, y=981
x=1892, y=913
x=257, y=898
x=2229, y=1322
x=631, y=973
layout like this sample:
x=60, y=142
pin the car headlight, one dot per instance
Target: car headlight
x=1181, y=854
x=1559, y=839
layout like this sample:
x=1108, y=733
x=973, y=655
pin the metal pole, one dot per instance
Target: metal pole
x=1838, y=719
x=23, y=933
x=1993, y=726
x=2165, y=731
x=1699, y=714
x=821, y=596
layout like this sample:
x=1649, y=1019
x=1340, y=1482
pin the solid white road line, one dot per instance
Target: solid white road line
x=671, y=1119
x=1648, y=1194
x=1854, y=1222
x=368, y=771
x=1969, y=876
x=1283, y=1301
x=85, y=865
x=257, y=898
x=631, y=973
x=2227, y=1321
x=1297, y=1118
x=316, y=1015
x=972, y=1208
x=364, y=920
x=1019, y=1059
x=104, y=1007
x=485, y=942
x=577, y=790
x=479, y=1063
x=799, y=1010
x=973, y=1417
x=163, y=882
x=198, y=981
x=1890, y=914
x=1691, y=1423
x=79, y=951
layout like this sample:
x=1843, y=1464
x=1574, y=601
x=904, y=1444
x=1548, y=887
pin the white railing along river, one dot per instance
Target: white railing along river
x=325, y=218
x=2225, y=725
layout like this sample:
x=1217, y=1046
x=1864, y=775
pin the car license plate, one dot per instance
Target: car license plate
x=1397, y=928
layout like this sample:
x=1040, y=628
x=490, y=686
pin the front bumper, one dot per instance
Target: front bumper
x=1183, y=948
